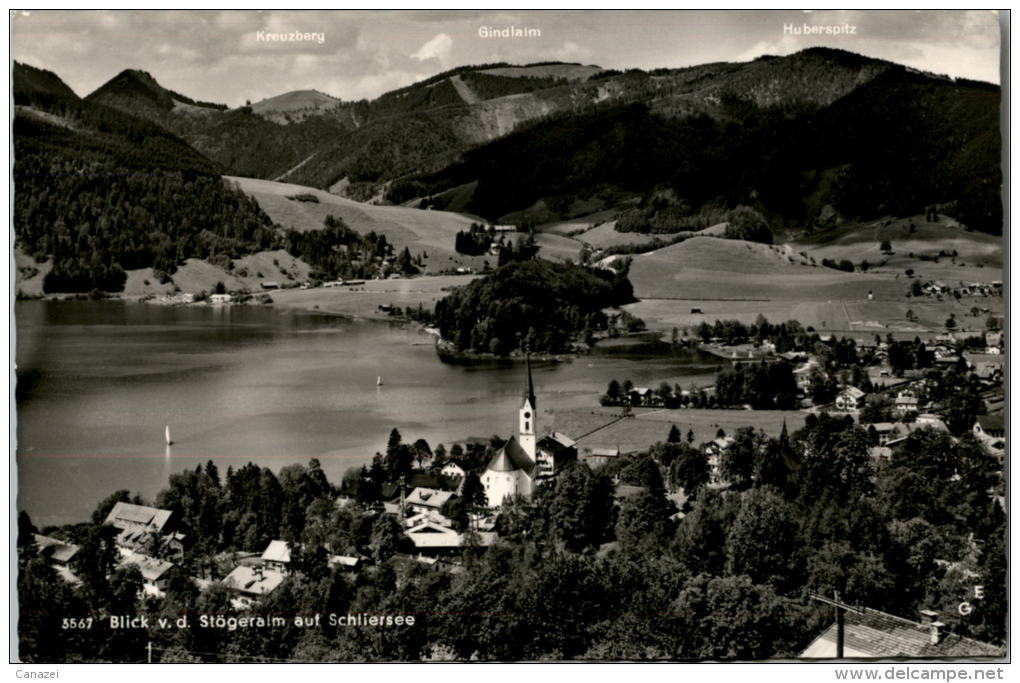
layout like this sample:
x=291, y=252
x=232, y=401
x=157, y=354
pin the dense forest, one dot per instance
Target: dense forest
x=101, y=192
x=577, y=573
x=534, y=304
x=897, y=144
x=337, y=252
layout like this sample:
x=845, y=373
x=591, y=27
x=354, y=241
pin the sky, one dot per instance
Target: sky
x=231, y=56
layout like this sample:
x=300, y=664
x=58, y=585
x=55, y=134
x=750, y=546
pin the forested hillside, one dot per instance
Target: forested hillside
x=101, y=192
x=898, y=143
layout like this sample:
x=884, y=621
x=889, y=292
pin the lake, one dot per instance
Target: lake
x=99, y=381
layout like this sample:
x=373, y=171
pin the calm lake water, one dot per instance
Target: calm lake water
x=98, y=381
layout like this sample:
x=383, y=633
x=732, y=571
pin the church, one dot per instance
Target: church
x=524, y=461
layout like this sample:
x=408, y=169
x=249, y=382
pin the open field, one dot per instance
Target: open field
x=979, y=256
x=852, y=318
x=704, y=268
x=363, y=301
x=649, y=426
x=423, y=232
x=557, y=247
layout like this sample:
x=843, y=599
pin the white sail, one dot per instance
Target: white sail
x=168, y=441
x=378, y=381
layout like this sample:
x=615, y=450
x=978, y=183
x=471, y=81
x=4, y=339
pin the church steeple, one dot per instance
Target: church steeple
x=526, y=419
x=531, y=387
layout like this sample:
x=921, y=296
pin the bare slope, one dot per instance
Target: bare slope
x=429, y=232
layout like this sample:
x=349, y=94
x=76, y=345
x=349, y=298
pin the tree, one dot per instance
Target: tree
x=613, y=390
x=762, y=542
x=674, y=435
x=644, y=520
x=737, y=463
x=577, y=509
x=690, y=470
x=885, y=246
x=473, y=491
x=386, y=535
x=732, y=618
x=26, y=529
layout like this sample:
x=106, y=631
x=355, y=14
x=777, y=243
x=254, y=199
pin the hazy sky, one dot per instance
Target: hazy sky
x=220, y=56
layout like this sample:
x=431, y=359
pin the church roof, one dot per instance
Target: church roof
x=511, y=457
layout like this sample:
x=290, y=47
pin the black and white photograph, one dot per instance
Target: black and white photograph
x=389, y=336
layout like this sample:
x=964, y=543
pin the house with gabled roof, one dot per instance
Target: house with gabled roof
x=871, y=634
x=60, y=554
x=276, y=556
x=427, y=500
x=153, y=572
x=849, y=399
x=250, y=584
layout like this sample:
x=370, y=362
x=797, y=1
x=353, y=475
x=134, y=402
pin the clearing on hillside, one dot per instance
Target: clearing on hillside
x=429, y=232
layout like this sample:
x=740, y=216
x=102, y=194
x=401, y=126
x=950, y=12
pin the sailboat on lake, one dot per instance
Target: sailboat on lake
x=168, y=441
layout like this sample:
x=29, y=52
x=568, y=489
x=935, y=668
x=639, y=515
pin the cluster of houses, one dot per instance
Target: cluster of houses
x=938, y=288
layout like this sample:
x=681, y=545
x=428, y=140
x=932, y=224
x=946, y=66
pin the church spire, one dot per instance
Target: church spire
x=531, y=385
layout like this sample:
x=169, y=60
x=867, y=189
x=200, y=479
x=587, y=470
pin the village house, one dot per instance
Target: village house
x=276, y=557
x=153, y=572
x=430, y=538
x=598, y=456
x=453, y=470
x=427, y=500
x=220, y=299
x=849, y=399
x=345, y=562
x=886, y=431
x=872, y=634
x=250, y=584
x=553, y=452
x=990, y=429
x=141, y=527
x=906, y=401
x=987, y=366
x=641, y=396
x=714, y=450
x=60, y=554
